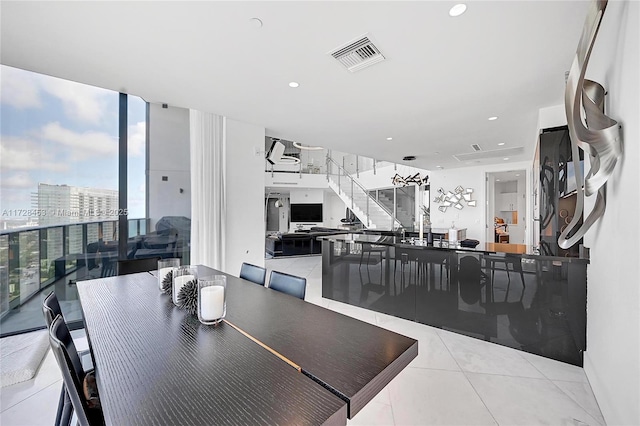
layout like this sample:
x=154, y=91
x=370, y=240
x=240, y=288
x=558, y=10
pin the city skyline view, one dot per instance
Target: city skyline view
x=60, y=132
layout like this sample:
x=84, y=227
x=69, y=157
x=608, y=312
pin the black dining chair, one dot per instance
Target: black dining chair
x=73, y=375
x=51, y=309
x=132, y=266
x=253, y=273
x=289, y=284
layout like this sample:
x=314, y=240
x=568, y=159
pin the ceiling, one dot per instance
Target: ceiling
x=441, y=80
x=509, y=176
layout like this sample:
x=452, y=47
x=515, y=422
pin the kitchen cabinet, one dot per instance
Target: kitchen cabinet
x=507, y=202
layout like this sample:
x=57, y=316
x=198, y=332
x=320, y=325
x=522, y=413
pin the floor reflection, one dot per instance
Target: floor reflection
x=524, y=304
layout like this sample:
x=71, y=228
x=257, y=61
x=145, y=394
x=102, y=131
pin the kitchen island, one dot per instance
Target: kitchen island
x=520, y=299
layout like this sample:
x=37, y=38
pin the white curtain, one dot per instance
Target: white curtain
x=208, y=197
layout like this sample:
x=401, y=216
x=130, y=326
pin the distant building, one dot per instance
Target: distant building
x=64, y=204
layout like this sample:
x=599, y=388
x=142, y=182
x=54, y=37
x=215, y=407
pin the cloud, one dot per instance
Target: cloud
x=136, y=141
x=15, y=198
x=20, y=88
x=81, y=145
x=18, y=180
x=25, y=154
x=81, y=102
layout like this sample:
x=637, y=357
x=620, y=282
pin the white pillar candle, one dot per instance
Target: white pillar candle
x=212, y=302
x=178, y=283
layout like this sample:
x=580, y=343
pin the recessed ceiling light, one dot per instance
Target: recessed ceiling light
x=505, y=158
x=294, y=84
x=438, y=167
x=492, y=118
x=458, y=9
x=389, y=139
x=501, y=143
x=497, y=180
x=517, y=174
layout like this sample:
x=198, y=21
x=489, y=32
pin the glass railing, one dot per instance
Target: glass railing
x=314, y=162
x=34, y=261
x=375, y=214
x=401, y=201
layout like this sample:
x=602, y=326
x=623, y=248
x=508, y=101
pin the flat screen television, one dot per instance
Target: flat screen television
x=306, y=212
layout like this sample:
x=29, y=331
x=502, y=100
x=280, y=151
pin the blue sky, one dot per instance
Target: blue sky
x=60, y=132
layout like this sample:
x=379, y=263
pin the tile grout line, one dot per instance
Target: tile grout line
x=40, y=369
x=32, y=395
x=544, y=378
x=578, y=403
x=393, y=417
x=464, y=373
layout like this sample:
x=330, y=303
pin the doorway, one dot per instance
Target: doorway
x=506, y=207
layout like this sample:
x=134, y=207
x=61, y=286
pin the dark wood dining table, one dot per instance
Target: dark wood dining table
x=156, y=364
x=353, y=358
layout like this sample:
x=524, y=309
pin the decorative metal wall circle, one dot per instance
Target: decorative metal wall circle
x=598, y=136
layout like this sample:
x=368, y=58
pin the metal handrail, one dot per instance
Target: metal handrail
x=342, y=169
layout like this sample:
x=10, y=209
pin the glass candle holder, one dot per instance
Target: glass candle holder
x=164, y=267
x=212, y=299
x=181, y=276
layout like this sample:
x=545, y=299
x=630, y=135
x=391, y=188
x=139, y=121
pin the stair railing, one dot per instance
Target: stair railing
x=354, y=185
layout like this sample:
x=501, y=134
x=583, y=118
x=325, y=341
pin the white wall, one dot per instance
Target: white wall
x=612, y=359
x=168, y=156
x=295, y=180
x=334, y=210
x=306, y=196
x=245, y=231
x=553, y=116
x=472, y=218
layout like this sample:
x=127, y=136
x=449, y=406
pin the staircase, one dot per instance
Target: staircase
x=371, y=213
x=405, y=218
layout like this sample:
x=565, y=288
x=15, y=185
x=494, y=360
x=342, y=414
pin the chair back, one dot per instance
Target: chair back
x=72, y=374
x=253, y=273
x=51, y=308
x=132, y=266
x=289, y=284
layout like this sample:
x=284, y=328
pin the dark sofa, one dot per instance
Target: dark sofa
x=299, y=243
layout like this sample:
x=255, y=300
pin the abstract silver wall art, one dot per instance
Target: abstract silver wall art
x=448, y=198
x=597, y=135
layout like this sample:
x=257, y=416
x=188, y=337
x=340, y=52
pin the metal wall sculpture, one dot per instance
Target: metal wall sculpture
x=406, y=181
x=454, y=199
x=598, y=135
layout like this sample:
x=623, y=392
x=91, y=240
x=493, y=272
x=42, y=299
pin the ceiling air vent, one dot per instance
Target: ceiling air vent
x=476, y=147
x=482, y=155
x=358, y=54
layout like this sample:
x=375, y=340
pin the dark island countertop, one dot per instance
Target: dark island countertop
x=525, y=252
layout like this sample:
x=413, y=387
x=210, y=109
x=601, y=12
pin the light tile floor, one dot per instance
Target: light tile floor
x=454, y=380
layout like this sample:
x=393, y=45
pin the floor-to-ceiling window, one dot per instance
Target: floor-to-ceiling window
x=59, y=198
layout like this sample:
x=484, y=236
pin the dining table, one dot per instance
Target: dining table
x=274, y=359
